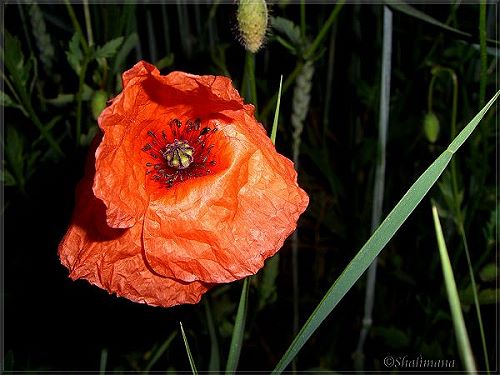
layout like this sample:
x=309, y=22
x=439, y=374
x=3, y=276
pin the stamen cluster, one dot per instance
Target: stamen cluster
x=180, y=152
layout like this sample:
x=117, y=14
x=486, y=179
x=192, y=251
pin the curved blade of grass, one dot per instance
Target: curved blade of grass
x=409, y=10
x=159, y=352
x=238, y=331
x=455, y=307
x=188, y=351
x=402, y=7
x=378, y=240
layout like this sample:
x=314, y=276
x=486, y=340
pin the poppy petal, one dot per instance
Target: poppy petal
x=223, y=228
x=148, y=100
x=113, y=259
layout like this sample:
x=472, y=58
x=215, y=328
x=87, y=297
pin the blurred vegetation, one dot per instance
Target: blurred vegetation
x=62, y=62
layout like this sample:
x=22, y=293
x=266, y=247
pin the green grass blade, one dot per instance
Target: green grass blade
x=475, y=295
x=188, y=351
x=157, y=355
x=378, y=240
x=402, y=7
x=467, y=130
x=455, y=307
x=238, y=331
x=214, y=364
x=104, y=360
x=276, y=114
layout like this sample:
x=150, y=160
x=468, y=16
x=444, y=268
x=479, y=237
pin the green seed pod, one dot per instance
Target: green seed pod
x=431, y=127
x=98, y=103
x=252, y=23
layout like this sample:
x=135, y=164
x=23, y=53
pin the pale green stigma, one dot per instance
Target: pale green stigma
x=179, y=155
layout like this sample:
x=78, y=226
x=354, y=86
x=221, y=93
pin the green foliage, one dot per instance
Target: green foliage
x=74, y=53
x=13, y=58
x=109, y=49
x=18, y=164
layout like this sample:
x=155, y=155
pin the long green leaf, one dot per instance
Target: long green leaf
x=409, y=10
x=455, y=307
x=378, y=240
x=402, y=7
x=238, y=331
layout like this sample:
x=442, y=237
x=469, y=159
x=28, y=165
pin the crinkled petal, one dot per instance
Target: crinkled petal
x=148, y=101
x=224, y=226
x=113, y=259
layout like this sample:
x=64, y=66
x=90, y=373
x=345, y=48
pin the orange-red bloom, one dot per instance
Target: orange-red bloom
x=185, y=190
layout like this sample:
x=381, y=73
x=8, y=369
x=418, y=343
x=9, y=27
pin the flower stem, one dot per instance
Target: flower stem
x=251, y=88
x=303, y=19
x=88, y=23
x=79, y=95
x=322, y=33
x=76, y=25
x=482, y=47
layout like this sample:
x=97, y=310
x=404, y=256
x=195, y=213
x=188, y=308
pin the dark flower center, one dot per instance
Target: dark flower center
x=181, y=152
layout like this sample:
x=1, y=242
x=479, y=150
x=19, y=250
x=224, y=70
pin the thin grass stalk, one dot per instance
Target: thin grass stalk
x=303, y=18
x=103, y=361
x=274, y=130
x=475, y=296
x=322, y=33
x=378, y=191
x=79, y=99
x=329, y=82
x=88, y=22
x=188, y=351
x=455, y=306
x=238, y=331
x=483, y=76
x=214, y=364
x=76, y=25
x=23, y=21
x=86, y=53
x=157, y=355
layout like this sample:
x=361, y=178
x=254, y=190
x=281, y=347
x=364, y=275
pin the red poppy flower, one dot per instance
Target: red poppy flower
x=185, y=190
